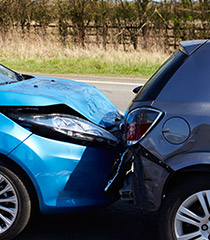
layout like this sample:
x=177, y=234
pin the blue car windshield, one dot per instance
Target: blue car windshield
x=7, y=75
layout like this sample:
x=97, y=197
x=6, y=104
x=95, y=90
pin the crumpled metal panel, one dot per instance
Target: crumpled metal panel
x=68, y=177
x=149, y=180
x=42, y=91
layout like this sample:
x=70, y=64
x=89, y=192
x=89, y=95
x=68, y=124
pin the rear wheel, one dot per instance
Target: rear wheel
x=15, y=204
x=185, y=212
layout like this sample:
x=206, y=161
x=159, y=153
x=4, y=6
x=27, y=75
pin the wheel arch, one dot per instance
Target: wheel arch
x=21, y=173
x=183, y=174
x=185, y=183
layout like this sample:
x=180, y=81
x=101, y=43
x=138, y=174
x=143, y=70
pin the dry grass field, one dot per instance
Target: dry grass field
x=38, y=53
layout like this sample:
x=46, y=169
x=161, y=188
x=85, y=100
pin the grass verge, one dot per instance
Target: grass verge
x=39, y=55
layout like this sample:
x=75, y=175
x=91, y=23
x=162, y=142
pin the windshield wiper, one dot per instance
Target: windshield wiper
x=5, y=83
x=19, y=76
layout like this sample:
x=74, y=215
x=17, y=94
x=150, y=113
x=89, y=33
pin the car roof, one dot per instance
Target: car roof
x=190, y=46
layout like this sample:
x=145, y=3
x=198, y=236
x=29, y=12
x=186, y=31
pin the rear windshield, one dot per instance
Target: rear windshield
x=155, y=84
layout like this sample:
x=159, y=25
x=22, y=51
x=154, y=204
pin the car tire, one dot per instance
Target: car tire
x=15, y=204
x=185, y=211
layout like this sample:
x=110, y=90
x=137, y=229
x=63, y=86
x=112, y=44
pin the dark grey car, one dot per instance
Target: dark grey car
x=168, y=133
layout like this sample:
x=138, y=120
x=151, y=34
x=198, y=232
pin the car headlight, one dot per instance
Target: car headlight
x=63, y=127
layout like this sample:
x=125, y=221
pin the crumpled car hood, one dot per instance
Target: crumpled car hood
x=43, y=91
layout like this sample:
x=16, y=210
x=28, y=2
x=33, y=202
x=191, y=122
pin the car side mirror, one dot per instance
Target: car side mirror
x=135, y=90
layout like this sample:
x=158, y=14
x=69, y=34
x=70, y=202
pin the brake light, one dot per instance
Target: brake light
x=139, y=122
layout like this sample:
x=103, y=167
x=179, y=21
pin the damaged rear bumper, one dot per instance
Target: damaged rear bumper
x=150, y=175
x=144, y=178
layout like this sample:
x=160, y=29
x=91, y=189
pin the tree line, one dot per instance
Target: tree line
x=136, y=23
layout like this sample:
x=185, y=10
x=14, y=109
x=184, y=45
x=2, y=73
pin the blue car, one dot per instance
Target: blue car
x=59, y=147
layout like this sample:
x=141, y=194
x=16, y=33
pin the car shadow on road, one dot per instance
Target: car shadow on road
x=121, y=221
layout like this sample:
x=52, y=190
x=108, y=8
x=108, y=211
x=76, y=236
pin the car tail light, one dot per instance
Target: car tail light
x=139, y=122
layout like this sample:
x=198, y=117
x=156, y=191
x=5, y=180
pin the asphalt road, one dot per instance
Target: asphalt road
x=122, y=220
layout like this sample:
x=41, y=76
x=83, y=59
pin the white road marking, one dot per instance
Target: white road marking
x=110, y=83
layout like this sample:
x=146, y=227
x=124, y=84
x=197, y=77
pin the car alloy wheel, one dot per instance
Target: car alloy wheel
x=185, y=210
x=15, y=202
x=8, y=204
x=192, y=220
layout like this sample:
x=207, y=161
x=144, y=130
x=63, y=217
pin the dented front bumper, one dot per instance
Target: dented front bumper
x=120, y=169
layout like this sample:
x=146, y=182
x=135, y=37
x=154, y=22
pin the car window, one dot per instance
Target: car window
x=7, y=75
x=155, y=84
x=4, y=79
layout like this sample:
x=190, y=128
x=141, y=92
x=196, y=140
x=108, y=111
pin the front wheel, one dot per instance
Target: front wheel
x=15, y=204
x=185, y=212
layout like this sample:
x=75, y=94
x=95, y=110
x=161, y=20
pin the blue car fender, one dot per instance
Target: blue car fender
x=11, y=135
x=49, y=164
